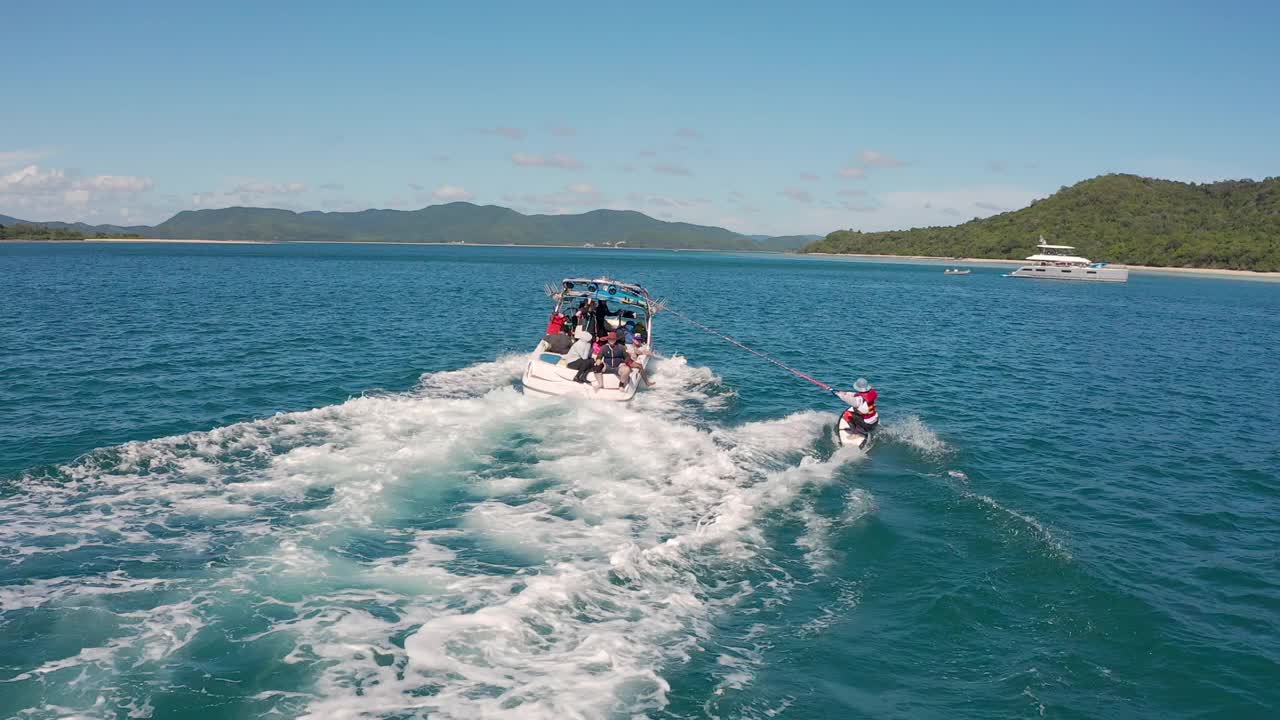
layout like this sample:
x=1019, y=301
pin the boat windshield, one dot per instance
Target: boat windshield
x=624, y=303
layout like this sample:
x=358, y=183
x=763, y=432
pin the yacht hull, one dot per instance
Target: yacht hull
x=1086, y=274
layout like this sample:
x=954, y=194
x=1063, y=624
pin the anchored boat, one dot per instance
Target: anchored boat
x=955, y=271
x=1055, y=262
x=626, y=305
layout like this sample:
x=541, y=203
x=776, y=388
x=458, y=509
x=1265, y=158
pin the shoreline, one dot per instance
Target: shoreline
x=915, y=259
x=1013, y=262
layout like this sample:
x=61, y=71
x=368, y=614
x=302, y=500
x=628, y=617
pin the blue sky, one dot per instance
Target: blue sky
x=770, y=118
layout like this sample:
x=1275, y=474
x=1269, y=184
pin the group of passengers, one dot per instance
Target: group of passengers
x=593, y=348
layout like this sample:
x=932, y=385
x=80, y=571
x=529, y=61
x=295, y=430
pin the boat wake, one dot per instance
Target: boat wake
x=460, y=550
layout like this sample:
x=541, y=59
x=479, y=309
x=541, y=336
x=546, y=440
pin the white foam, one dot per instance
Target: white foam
x=1025, y=522
x=912, y=431
x=610, y=521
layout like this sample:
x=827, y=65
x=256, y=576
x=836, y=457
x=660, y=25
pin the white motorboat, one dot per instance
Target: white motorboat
x=1055, y=262
x=955, y=271
x=546, y=372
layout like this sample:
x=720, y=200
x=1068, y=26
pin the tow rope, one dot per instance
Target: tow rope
x=755, y=352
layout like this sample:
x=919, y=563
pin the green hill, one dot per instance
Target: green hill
x=453, y=222
x=1232, y=224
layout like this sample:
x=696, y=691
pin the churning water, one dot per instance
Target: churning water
x=301, y=481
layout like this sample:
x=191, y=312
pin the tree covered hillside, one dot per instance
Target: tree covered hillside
x=452, y=222
x=1232, y=224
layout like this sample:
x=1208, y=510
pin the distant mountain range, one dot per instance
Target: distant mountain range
x=458, y=222
x=1233, y=224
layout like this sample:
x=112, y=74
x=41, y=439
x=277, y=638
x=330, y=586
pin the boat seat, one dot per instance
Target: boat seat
x=559, y=370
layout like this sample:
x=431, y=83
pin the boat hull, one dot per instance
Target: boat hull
x=542, y=377
x=1085, y=274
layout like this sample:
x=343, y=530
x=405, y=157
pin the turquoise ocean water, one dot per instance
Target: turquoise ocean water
x=301, y=481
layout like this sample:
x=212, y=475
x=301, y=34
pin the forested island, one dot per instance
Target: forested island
x=1113, y=218
x=44, y=232
x=1233, y=224
x=457, y=223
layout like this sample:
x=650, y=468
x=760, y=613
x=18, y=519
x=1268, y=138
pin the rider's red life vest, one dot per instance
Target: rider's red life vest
x=870, y=416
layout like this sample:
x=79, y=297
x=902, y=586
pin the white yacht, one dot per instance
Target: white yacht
x=628, y=304
x=1055, y=262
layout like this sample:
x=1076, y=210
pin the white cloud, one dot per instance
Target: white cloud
x=853, y=172
x=854, y=207
x=117, y=183
x=77, y=197
x=10, y=158
x=798, y=194
x=511, y=133
x=852, y=192
x=250, y=190
x=35, y=181
x=333, y=186
x=563, y=162
x=669, y=202
x=31, y=180
x=451, y=193
x=671, y=169
x=59, y=195
x=880, y=160
x=578, y=195
x=206, y=199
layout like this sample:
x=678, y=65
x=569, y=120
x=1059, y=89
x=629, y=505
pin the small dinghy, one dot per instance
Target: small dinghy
x=629, y=307
x=955, y=271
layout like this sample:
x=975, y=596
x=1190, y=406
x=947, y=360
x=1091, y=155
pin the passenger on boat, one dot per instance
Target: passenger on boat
x=581, y=314
x=556, y=322
x=612, y=360
x=602, y=314
x=861, y=415
x=579, y=356
x=636, y=350
x=558, y=342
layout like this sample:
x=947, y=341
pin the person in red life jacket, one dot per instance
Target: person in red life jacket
x=556, y=323
x=861, y=415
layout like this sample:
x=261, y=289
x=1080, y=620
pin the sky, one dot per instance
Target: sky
x=765, y=118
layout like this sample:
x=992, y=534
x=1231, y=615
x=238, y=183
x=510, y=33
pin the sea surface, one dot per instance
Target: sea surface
x=289, y=481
